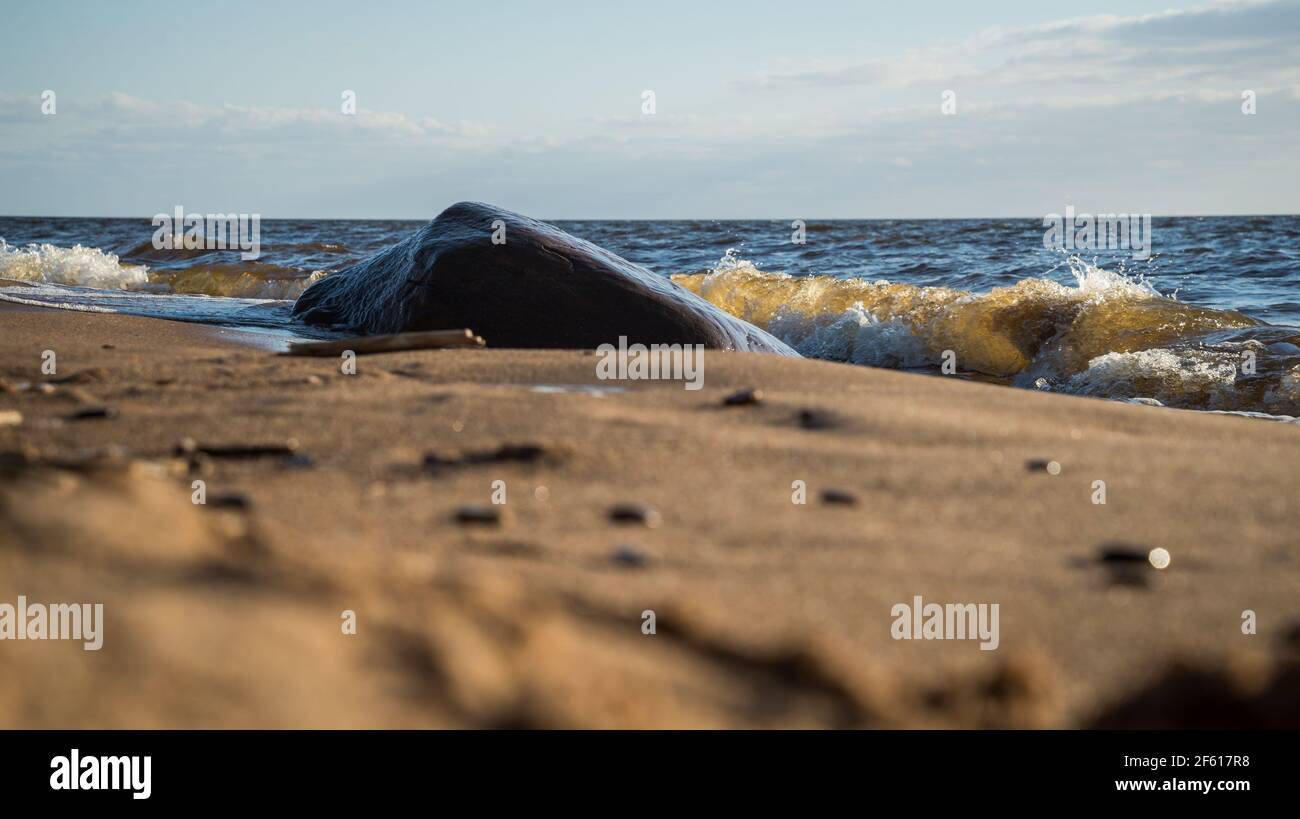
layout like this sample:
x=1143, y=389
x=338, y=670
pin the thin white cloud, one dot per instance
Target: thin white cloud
x=123, y=113
x=1207, y=44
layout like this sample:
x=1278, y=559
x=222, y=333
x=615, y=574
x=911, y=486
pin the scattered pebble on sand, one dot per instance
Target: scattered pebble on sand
x=521, y=453
x=92, y=413
x=1122, y=553
x=433, y=460
x=506, y=453
x=297, y=461
x=647, y=516
x=744, y=398
x=1040, y=465
x=629, y=556
x=482, y=515
x=188, y=446
x=816, y=419
x=10, y=418
x=199, y=465
x=839, y=496
x=229, y=500
x=1130, y=565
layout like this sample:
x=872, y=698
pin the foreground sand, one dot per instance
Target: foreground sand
x=768, y=613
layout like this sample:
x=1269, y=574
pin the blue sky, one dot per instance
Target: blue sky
x=763, y=109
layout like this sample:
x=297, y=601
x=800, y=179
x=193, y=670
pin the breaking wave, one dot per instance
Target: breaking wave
x=92, y=267
x=1109, y=335
x=81, y=266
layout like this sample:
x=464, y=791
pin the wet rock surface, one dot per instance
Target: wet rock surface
x=535, y=286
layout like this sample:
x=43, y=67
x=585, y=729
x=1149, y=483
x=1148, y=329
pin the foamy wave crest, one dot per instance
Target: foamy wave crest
x=91, y=267
x=80, y=266
x=855, y=336
x=1109, y=335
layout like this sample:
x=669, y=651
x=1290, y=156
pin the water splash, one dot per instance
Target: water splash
x=77, y=265
x=94, y=268
x=1111, y=335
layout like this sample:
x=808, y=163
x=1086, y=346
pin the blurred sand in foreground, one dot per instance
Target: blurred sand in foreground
x=767, y=613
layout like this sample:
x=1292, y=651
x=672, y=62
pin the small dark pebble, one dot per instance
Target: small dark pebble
x=481, y=515
x=815, y=419
x=229, y=500
x=199, y=464
x=839, y=496
x=1037, y=465
x=629, y=556
x=188, y=446
x=506, y=453
x=522, y=453
x=107, y=347
x=648, y=516
x=298, y=461
x=744, y=398
x=1126, y=564
x=1122, y=553
x=91, y=413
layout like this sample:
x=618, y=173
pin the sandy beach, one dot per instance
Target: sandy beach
x=767, y=612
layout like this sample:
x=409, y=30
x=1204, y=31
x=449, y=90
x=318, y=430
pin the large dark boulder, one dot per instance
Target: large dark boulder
x=541, y=288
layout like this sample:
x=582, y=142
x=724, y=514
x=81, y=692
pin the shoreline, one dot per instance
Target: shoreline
x=768, y=612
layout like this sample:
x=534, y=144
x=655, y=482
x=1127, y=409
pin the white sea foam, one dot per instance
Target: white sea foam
x=1095, y=281
x=90, y=267
x=855, y=336
x=77, y=265
x=1163, y=374
x=804, y=321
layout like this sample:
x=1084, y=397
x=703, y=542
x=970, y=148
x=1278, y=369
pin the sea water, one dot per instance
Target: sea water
x=1206, y=318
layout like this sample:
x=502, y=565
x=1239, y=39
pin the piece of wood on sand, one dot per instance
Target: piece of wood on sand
x=362, y=345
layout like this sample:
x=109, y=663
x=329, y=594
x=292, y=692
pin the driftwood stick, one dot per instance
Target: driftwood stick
x=361, y=345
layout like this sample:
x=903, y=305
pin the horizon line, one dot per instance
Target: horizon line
x=677, y=218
